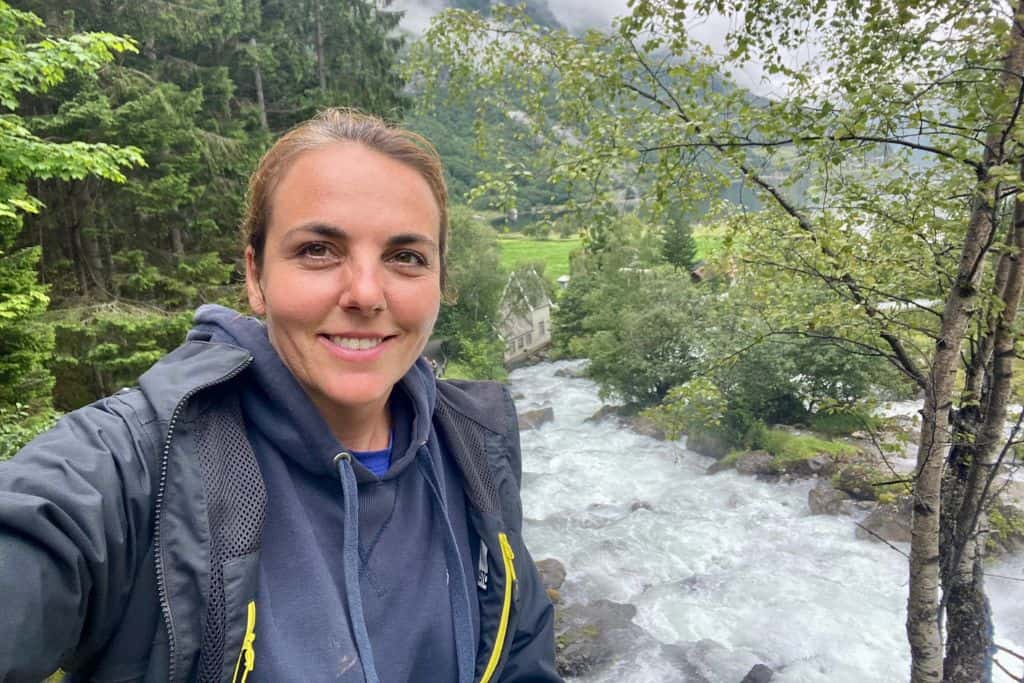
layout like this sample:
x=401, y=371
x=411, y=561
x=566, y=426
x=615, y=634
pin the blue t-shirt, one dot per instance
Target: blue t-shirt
x=377, y=462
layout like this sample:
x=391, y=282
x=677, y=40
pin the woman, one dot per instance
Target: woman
x=294, y=499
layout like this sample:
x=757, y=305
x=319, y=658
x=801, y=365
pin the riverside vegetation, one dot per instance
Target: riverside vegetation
x=883, y=248
x=860, y=228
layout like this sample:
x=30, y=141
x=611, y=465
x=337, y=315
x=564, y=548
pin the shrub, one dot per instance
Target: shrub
x=19, y=425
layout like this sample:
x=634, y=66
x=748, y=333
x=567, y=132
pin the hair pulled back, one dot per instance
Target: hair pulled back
x=334, y=125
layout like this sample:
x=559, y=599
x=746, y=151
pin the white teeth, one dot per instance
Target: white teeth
x=355, y=344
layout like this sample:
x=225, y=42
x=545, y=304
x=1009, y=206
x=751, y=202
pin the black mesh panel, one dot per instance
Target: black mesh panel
x=237, y=503
x=469, y=448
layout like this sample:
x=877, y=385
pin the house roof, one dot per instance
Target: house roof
x=525, y=291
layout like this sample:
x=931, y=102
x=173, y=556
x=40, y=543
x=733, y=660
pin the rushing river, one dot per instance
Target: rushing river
x=723, y=557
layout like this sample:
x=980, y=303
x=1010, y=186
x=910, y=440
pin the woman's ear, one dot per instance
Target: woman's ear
x=252, y=283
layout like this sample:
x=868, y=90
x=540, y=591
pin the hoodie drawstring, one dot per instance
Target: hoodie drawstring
x=458, y=590
x=350, y=565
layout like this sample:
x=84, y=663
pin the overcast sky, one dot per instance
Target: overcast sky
x=583, y=14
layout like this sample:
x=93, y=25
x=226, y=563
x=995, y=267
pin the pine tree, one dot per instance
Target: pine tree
x=30, y=66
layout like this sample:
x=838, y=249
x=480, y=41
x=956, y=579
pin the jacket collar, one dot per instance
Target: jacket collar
x=189, y=368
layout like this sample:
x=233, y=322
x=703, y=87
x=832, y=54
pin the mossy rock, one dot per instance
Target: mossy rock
x=864, y=481
x=1006, y=530
x=592, y=636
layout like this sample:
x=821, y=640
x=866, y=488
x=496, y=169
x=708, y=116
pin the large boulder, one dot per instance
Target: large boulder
x=628, y=416
x=646, y=427
x=887, y=522
x=820, y=465
x=552, y=573
x=755, y=462
x=856, y=508
x=824, y=499
x=592, y=636
x=531, y=419
x=605, y=413
x=859, y=479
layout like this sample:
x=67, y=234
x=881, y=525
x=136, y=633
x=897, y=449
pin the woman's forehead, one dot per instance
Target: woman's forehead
x=349, y=186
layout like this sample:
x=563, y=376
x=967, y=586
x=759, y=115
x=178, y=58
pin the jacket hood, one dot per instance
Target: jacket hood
x=281, y=409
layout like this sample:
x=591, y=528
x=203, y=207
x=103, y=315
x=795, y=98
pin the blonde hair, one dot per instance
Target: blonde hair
x=342, y=125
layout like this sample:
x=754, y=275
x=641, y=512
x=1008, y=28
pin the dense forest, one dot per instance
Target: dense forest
x=193, y=92
x=131, y=130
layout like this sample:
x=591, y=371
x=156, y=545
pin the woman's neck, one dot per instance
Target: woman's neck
x=362, y=428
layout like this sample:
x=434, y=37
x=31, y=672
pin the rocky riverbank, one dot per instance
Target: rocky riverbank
x=853, y=483
x=592, y=636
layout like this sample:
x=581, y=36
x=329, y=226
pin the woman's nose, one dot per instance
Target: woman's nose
x=363, y=290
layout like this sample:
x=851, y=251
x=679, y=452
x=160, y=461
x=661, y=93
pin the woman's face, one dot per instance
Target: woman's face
x=350, y=280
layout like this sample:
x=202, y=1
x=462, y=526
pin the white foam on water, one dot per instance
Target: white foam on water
x=721, y=557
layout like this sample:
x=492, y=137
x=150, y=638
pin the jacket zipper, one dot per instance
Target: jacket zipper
x=161, y=590
x=506, y=607
x=248, y=652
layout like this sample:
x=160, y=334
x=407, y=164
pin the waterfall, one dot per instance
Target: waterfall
x=725, y=558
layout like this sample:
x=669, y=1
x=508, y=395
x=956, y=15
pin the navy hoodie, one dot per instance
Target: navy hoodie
x=353, y=587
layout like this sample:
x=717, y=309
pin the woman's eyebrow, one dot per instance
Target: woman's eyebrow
x=335, y=233
x=321, y=229
x=406, y=238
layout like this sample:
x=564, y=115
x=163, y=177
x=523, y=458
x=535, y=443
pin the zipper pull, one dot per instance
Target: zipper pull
x=506, y=550
x=248, y=653
x=482, y=571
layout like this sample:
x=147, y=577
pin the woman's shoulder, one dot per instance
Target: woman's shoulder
x=190, y=368
x=485, y=402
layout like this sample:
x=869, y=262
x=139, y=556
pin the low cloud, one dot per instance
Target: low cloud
x=580, y=15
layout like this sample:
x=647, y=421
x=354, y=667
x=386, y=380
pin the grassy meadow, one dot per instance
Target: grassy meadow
x=553, y=252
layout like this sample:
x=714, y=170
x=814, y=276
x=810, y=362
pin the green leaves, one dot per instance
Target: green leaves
x=33, y=68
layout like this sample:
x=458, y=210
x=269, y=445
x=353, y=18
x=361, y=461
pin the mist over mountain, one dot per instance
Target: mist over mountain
x=575, y=15
x=578, y=16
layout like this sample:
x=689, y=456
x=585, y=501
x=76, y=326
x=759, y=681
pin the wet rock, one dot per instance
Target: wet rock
x=755, y=462
x=858, y=479
x=518, y=396
x=708, y=661
x=890, y=522
x=552, y=573
x=823, y=499
x=531, y=419
x=759, y=674
x=571, y=373
x=856, y=508
x=605, y=413
x=591, y=636
x=645, y=427
x=816, y=466
x=640, y=505
x=706, y=444
x=628, y=417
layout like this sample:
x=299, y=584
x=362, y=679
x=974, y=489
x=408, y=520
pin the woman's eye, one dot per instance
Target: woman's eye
x=409, y=258
x=314, y=250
